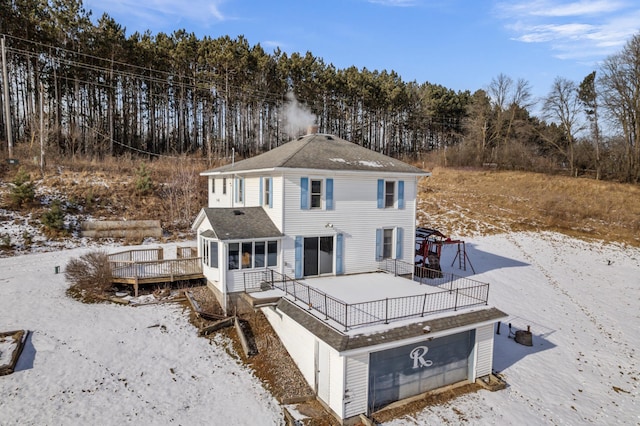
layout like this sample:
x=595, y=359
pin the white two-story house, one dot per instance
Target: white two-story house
x=317, y=219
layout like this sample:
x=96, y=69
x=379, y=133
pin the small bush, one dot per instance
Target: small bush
x=89, y=275
x=143, y=182
x=23, y=189
x=53, y=219
x=5, y=241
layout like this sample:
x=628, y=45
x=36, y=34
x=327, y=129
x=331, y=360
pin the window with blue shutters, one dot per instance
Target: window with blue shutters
x=390, y=194
x=314, y=191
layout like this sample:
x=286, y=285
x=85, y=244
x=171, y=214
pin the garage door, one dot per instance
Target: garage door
x=409, y=370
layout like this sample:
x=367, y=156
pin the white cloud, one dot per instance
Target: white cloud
x=159, y=13
x=573, y=30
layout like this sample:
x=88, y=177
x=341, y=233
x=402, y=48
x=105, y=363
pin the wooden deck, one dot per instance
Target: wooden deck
x=148, y=266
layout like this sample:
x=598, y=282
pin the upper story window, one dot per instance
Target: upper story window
x=224, y=186
x=213, y=185
x=266, y=191
x=390, y=194
x=239, y=190
x=316, y=193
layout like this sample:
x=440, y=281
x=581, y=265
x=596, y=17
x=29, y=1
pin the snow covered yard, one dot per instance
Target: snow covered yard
x=112, y=364
x=582, y=301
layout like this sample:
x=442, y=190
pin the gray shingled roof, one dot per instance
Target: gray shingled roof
x=240, y=223
x=342, y=342
x=321, y=152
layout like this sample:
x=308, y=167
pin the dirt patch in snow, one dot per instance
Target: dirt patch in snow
x=272, y=364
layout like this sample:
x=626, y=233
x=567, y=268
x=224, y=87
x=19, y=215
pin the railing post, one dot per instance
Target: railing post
x=271, y=283
x=309, y=297
x=386, y=310
x=326, y=310
x=424, y=303
x=346, y=313
x=455, y=305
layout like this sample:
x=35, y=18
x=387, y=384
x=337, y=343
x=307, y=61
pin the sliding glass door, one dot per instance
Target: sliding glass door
x=318, y=256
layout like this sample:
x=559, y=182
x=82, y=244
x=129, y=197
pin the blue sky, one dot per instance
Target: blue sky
x=460, y=44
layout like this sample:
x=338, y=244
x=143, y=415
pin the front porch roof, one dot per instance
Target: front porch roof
x=240, y=223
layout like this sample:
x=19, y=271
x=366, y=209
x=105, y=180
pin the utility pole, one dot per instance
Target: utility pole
x=5, y=80
x=41, y=129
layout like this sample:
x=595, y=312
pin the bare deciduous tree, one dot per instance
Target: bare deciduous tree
x=562, y=105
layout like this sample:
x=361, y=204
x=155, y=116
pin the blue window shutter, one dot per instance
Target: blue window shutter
x=339, y=254
x=378, y=244
x=270, y=192
x=401, y=194
x=329, y=194
x=304, y=193
x=261, y=198
x=298, y=265
x=380, y=193
x=399, y=243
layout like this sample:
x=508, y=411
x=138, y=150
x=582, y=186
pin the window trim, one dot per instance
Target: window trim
x=241, y=245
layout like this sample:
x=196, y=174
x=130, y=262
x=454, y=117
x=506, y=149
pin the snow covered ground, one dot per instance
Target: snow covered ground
x=112, y=364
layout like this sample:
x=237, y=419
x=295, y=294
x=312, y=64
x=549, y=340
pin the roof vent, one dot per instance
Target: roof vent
x=238, y=212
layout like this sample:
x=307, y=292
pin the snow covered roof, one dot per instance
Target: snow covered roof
x=321, y=152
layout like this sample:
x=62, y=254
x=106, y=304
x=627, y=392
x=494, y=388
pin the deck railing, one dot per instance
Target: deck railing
x=155, y=268
x=459, y=293
x=186, y=251
x=138, y=255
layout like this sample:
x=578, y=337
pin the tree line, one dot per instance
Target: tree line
x=103, y=93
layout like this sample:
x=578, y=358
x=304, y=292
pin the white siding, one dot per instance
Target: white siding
x=336, y=380
x=218, y=199
x=276, y=211
x=298, y=341
x=355, y=215
x=484, y=351
x=356, y=385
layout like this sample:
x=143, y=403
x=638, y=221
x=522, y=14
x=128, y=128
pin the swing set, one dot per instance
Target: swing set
x=429, y=243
